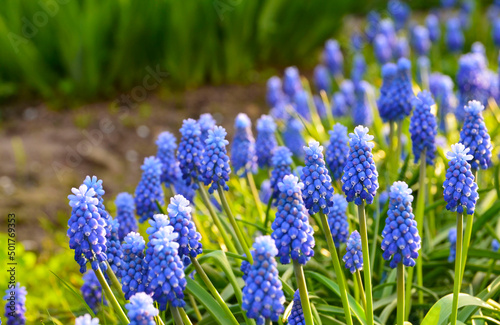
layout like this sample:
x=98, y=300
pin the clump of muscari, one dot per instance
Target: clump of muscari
x=281, y=163
x=337, y=150
x=125, y=209
x=423, y=127
x=243, y=155
x=16, y=316
x=266, y=140
x=353, y=257
x=452, y=237
x=92, y=291
x=361, y=111
x=190, y=152
x=166, y=154
x=149, y=191
x=296, y=315
x=133, y=268
x=401, y=240
x=337, y=220
x=215, y=170
x=140, y=310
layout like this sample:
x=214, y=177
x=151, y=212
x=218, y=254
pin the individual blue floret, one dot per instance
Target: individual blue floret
x=149, y=191
x=337, y=150
x=125, y=214
x=266, y=140
x=423, y=127
x=474, y=135
x=140, y=310
x=215, y=170
x=337, y=220
x=353, y=257
x=243, y=155
x=92, y=291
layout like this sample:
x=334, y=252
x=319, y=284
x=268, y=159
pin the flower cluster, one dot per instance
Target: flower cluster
x=133, y=265
x=421, y=41
x=266, y=140
x=337, y=219
x=339, y=106
x=432, y=24
x=125, y=214
x=243, y=153
x=140, y=310
x=215, y=169
x=263, y=294
x=454, y=36
x=337, y=150
x=322, y=79
x=292, y=233
x=274, y=93
x=360, y=173
x=301, y=104
x=361, y=111
x=358, y=68
x=441, y=87
x=296, y=315
x=114, y=251
x=16, y=315
x=206, y=123
x=353, y=257
x=149, y=189
x=423, y=127
x=166, y=154
x=92, y=291
x=292, y=136
x=96, y=184
x=291, y=81
x=385, y=102
x=86, y=320
x=281, y=163
x=333, y=58
x=190, y=152
x=401, y=240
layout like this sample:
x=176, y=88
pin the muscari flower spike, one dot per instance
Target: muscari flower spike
x=292, y=233
x=206, y=123
x=495, y=30
x=215, y=169
x=166, y=154
x=243, y=153
x=133, y=267
x=441, y=87
x=189, y=239
x=357, y=41
x=337, y=150
x=386, y=103
x=149, y=189
x=403, y=90
x=454, y=36
x=347, y=88
x=320, y=106
x=114, y=251
x=333, y=57
x=460, y=188
x=400, y=12
x=318, y=191
x=432, y=24
x=92, y=291
x=125, y=214
x=297, y=314
x=190, y=152
x=86, y=320
x=373, y=19
x=322, y=79
x=360, y=173
x=423, y=127
x=474, y=135
x=401, y=240
x=140, y=310
x=291, y=81
x=266, y=140
x=274, y=93
x=15, y=316
x=86, y=229
x=402, y=48
x=263, y=294
x=386, y=28
x=301, y=104
x=358, y=68
x=420, y=40
x=265, y=191
x=281, y=163
x=353, y=257
x=339, y=105
x=361, y=111
x=495, y=245
x=96, y=184
x=452, y=237
x=337, y=220
x=292, y=136
x=382, y=49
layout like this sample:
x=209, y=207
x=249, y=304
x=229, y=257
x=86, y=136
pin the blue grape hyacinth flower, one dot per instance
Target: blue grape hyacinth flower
x=358, y=68
x=402, y=48
x=125, y=214
x=452, y=237
x=474, y=135
x=495, y=30
x=281, y=163
x=360, y=179
x=460, y=188
x=353, y=257
x=337, y=150
x=114, y=251
x=189, y=239
x=382, y=49
x=133, y=267
x=215, y=170
x=292, y=233
x=140, y=310
x=320, y=106
x=403, y=89
x=386, y=28
x=400, y=12
x=85, y=320
x=274, y=93
x=297, y=314
x=386, y=103
x=15, y=306
x=454, y=36
x=166, y=154
x=423, y=127
x=301, y=104
x=337, y=220
x=96, y=184
x=265, y=191
x=266, y=140
x=333, y=57
x=92, y=291
x=361, y=111
x=420, y=40
x=206, y=123
x=432, y=24
x=322, y=79
x=339, y=105
x=495, y=245
x=86, y=229
x=263, y=293
x=318, y=191
x=190, y=152
x=441, y=87
x=292, y=136
x=373, y=21
x=291, y=81
x=401, y=240
x=149, y=189
x=347, y=88
x=243, y=154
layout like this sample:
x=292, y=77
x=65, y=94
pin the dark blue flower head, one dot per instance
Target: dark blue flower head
x=215, y=169
x=166, y=154
x=339, y=105
x=382, y=48
x=179, y=213
x=297, y=314
x=263, y=294
x=432, y=24
x=85, y=320
x=386, y=28
x=423, y=127
x=320, y=106
x=358, y=68
x=292, y=233
x=441, y=87
x=353, y=257
x=357, y=41
x=401, y=240
x=274, y=93
x=243, y=154
x=322, y=79
x=92, y=291
x=452, y=237
x=166, y=281
x=361, y=110
x=125, y=214
x=133, y=269
x=114, y=251
x=279, y=111
x=495, y=245
x=318, y=190
x=399, y=11
x=86, y=229
x=16, y=316
x=333, y=57
x=402, y=48
x=347, y=88
x=466, y=8
x=266, y=140
x=190, y=152
x=96, y=184
x=371, y=30
x=292, y=136
x=149, y=189
x=291, y=81
x=474, y=135
x=206, y=123
x=360, y=173
x=140, y=310
x=420, y=40
x=337, y=219
x=301, y=104
x=265, y=191
x=281, y=165
x=460, y=188
x=495, y=30
x=337, y=150
x=454, y=36
x=386, y=103
x=403, y=91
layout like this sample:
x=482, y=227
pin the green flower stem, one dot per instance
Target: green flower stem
x=255, y=194
x=329, y=114
x=361, y=290
x=304, y=296
x=268, y=321
x=401, y=293
x=111, y=298
x=236, y=228
x=176, y=315
x=204, y=197
x=458, y=266
x=195, y=306
x=115, y=281
x=337, y=267
x=366, y=267
x=467, y=237
x=375, y=234
x=211, y=288
x=424, y=75
x=184, y=316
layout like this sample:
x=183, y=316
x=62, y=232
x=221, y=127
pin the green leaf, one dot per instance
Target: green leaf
x=70, y=288
x=441, y=310
x=209, y=302
x=486, y=294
